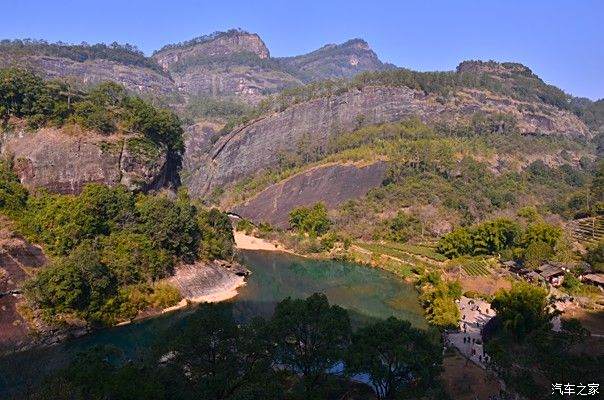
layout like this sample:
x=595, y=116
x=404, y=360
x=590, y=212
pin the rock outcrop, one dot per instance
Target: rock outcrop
x=64, y=163
x=238, y=63
x=335, y=61
x=331, y=184
x=17, y=256
x=257, y=145
x=233, y=63
x=90, y=72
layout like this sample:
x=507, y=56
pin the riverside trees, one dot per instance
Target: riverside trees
x=289, y=357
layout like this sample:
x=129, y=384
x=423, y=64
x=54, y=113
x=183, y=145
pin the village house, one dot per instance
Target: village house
x=553, y=273
x=594, y=279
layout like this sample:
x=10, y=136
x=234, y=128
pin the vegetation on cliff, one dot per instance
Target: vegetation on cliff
x=121, y=53
x=111, y=247
x=107, y=108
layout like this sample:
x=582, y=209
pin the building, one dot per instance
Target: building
x=553, y=273
x=594, y=279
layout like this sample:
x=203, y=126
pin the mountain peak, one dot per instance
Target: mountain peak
x=221, y=43
x=494, y=68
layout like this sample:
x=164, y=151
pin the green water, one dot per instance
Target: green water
x=367, y=293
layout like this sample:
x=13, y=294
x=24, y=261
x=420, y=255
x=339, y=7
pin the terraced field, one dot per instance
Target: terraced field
x=425, y=251
x=588, y=231
x=474, y=266
x=403, y=256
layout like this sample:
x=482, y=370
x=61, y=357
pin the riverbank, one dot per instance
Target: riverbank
x=207, y=282
x=248, y=242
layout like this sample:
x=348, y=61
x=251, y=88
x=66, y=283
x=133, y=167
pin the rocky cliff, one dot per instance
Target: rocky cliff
x=233, y=63
x=335, y=61
x=331, y=184
x=257, y=145
x=238, y=63
x=51, y=62
x=17, y=257
x=62, y=162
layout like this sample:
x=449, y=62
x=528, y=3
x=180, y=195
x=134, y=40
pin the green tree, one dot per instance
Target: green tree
x=220, y=359
x=523, y=310
x=79, y=283
x=494, y=236
x=455, y=244
x=311, y=336
x=132, y=258
x=595, y=256
x=13, y=196
x=395, y=356
x=171, y=225
x=311, y=220
x=217, y=240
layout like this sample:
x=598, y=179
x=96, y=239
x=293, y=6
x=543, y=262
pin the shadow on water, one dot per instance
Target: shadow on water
x=368, y=294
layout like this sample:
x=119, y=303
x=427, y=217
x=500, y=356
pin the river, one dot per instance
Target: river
x=367, y=293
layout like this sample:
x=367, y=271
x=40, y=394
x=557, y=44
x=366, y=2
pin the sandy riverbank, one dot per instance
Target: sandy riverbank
x=247, y=242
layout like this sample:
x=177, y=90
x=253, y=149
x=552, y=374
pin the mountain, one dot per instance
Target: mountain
x=314, y=115
x=89, y=64
x=335, y=61
x=238, y=63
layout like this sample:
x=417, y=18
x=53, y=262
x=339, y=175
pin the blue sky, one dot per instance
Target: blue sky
x=561, y=41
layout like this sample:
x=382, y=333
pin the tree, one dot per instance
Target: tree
x=132, y=258
x=79, y=283
x=494, y=236
x=456, y=243
x=311, y=336
x=395, y=356
x=523, y=310
x=595, y=256
x=217, y=238
x=13, y=196
x=218, y=358
x=313, y=221
x=171, y=225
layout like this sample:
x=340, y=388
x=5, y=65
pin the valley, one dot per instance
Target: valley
x=327, y=191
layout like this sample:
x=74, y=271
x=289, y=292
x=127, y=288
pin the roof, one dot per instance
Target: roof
x=550, y=271
x=534, y=275
x=598, y=278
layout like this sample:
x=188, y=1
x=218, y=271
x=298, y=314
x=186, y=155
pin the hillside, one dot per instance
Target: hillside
x=60, y=141
x=238, y=63
x=87, y=65
x=334, y=61
x=303, y=120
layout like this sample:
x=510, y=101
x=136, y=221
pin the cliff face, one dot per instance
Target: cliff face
x=258, y=145
x=331, y=184
x=218, y=45
x=335, y=61
x=232, y=63
x=237, y=63
x=17, y=256
x=90, y=72
x=64, y=163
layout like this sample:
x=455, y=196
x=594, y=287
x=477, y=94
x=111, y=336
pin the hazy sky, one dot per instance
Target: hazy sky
x=561, y=41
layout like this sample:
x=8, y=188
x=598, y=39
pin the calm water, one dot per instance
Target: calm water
x=367, y=294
